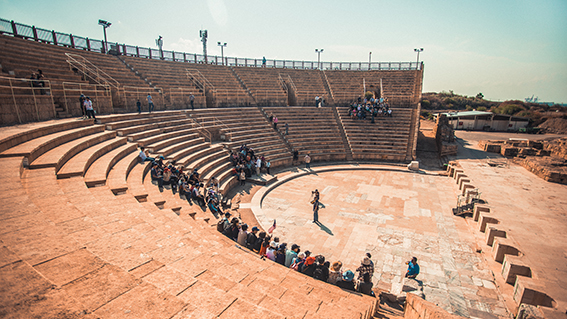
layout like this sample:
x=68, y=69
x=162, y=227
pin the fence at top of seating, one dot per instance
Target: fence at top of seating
x=77, y=42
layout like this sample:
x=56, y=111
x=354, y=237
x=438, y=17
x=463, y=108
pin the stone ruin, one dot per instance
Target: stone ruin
x=444, y=136
x=546, y=159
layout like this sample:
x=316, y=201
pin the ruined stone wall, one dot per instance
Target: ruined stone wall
x=444, y=136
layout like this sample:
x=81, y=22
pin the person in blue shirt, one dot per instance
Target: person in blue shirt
x=413, y=268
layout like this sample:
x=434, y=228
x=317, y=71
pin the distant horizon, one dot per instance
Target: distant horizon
x=507, y=50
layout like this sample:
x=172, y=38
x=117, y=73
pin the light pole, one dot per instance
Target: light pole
x=369, y=59
x=418, y=51
x=222, y=46
x=105, y=24
x=319, y=51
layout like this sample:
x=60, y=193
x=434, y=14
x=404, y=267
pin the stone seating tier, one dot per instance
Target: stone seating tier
x=165, y=255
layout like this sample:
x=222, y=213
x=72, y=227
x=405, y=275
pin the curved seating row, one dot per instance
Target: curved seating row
x=69, y=249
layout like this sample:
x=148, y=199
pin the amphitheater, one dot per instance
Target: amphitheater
x=85, y=233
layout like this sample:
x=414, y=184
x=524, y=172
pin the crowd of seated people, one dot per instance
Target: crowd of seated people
x=311, y=265
x=246, y=163
x=362, y=109
x=188, y=184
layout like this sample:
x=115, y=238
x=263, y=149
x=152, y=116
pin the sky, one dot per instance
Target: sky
x=506, y=49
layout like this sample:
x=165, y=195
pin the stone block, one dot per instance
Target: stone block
x=457, y=171
x=462, y=181
x=458, y=176
x=509, y=151
x=493, y=232
x=492, y=148
x=465, y=187
x=512, y=267
x=485, y=220
x=413, y=166
x=502, y=247
x=526, y=291
x=479, y=208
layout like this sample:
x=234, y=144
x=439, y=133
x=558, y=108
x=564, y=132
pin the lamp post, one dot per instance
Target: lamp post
x=369, y=59
x=319, y=51
x=105, y=24
x=418, y=51
x=222, y=46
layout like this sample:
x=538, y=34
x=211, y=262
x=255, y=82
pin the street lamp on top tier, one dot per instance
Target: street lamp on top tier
x=105, y=24
x=319, y=51
x=222, y=46
x=418, y=51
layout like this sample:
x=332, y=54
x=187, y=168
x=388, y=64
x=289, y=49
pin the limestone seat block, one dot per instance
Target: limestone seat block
x=459, y=176
x=493, y=232
x=512, y=267
x=465, y=187
x=502, y=247
x=486, y=219
x=479, y=208
x=527, y=291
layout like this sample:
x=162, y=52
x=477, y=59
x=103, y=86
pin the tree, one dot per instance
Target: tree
x=480, y=96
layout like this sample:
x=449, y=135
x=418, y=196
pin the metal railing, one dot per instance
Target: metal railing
x=73, y=41
x=202, y=130
x=27, y=86
x=90, y=70
x=96, y=90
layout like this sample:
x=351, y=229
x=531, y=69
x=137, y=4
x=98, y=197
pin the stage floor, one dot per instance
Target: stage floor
x=394, y=215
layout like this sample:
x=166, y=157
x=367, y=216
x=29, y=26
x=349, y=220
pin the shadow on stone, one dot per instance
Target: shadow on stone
x=324, y=228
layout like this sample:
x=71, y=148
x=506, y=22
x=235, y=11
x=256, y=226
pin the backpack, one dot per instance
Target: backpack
x=318, y=273
x=220, y=226
x=298, y=265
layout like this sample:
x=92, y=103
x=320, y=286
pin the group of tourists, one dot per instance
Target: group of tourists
x=361, y=109
x=312, y=265
x=188, y=184
x=245, y=163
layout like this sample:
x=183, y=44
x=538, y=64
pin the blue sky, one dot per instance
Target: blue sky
x=505, y=49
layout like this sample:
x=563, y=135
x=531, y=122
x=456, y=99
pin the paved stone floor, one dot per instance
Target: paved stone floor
x=394, y=215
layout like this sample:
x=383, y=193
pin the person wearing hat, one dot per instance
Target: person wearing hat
x=252, y=238
x=347, y=281
x=271, y=251
x=366, y=267
x=291, y=254
x=335, y=274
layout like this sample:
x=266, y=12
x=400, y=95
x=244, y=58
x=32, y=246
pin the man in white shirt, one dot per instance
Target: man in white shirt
x=150, y=103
